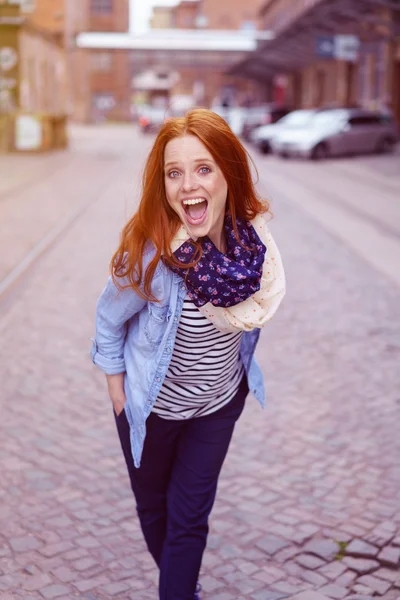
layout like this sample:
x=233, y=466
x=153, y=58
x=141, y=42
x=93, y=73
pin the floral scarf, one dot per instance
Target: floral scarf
x=241, y=290
x=223, y=279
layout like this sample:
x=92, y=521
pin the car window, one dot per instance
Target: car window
x=297, y=117
x=279, y=112
x=363, y=120
x=328, y=117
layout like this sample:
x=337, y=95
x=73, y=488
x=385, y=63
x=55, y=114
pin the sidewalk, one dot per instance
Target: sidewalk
x=308, y=506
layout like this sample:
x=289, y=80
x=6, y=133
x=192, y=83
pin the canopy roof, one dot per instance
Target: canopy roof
x=176, y=39
x=294, y=45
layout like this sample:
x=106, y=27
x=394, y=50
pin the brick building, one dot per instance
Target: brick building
x=109, y=85
x=161, y=17
x=34, y=32
x=214, y=83
x=309, y=67
x=96, y=82
x=196, y=41
x=230, y=14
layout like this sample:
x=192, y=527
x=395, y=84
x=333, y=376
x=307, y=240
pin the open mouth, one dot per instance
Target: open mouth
x=195, y=210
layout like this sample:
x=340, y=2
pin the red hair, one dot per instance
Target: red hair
x=156, y=222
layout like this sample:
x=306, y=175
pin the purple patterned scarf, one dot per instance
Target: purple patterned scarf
x=223, y=279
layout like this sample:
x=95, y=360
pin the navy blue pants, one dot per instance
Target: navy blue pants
x=175, y=488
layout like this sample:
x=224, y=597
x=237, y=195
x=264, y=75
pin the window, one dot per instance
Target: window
x=248, y=26
x=101, y=61
x=103, y=101
x=101, y=7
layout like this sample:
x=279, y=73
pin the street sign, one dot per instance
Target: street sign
x=8, y=58
x=9, y=50
x=325, y=46
x=346, y=47
x=341, y=47
x=28, y=133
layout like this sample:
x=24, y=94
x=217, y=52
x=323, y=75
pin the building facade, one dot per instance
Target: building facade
x=309, y=60
x=209, y=84
x=34, y=78
x=161, y=18
x=230, y=14
x=108, y=93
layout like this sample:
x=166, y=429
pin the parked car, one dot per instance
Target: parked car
x=151, y=118
x=339, y=131
x=262, y=136
x=262, y=115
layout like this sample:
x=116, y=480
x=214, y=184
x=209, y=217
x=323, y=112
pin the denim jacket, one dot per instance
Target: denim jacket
x=137, y=338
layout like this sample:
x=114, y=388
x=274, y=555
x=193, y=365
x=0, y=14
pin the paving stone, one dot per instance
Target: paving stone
x=346, y=579
x=359, y=588
x=64, y=574
x=53, y=549
x=359, y=597
x=271, y=544
x=361, y=549
x=313, y=577
x=269, y=595
x=112, y=589
x=333, y=570
x=36, y=582
x=85, y=585
x=387, y=574
x=54, y=591
x=362, y=566
x=25, y=543
x=286, y=587
x=210, y=584
x=378, y=585
x=390, y=556
x=325, y=549
x=309, y=561
x=84, y=563
x=309, y=595
x=334, y=591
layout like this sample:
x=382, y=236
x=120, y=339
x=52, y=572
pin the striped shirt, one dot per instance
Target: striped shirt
x=205, y=369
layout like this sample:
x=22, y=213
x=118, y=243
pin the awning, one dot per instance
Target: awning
x=295, y=43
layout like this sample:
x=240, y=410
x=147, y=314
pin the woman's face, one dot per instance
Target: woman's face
x=195, y=186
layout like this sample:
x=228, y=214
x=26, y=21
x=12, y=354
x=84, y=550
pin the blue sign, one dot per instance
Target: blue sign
x=325, y=46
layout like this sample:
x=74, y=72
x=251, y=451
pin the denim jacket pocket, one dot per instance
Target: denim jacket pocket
x=155, y=326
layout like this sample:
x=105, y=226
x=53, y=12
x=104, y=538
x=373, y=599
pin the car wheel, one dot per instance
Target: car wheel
x=320, y=152
x=386, y=145
x=264, y=148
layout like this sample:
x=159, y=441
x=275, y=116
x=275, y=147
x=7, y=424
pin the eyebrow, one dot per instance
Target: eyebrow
x=198, y=160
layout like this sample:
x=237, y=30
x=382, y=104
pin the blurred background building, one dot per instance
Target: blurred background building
x=330, y=52
x=79, y=57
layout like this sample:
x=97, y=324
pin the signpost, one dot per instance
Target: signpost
x=325, y=46
x=10, y=21
x=339, y=47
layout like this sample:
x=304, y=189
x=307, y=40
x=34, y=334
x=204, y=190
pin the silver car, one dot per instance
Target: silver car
x=339, y=131
x=262, y=136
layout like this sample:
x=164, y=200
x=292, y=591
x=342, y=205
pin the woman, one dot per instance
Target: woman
x=195, y=277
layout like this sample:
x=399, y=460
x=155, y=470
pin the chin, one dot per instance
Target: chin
x=196, y=231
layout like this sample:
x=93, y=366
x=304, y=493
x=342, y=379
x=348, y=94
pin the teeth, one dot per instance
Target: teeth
x=194, y=201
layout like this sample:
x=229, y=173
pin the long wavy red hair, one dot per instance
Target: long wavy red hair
x=155, y=223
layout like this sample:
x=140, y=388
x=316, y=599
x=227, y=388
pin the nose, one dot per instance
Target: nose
x=189, y=182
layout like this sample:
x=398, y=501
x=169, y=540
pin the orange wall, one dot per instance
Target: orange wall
x=230, y=14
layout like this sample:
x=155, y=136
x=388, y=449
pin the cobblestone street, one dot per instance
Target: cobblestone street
x=309, y=499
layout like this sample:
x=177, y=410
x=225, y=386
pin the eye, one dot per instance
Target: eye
x=173, y=174
x=205, y=170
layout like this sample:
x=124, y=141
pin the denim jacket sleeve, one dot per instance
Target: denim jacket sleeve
x=114, y=308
